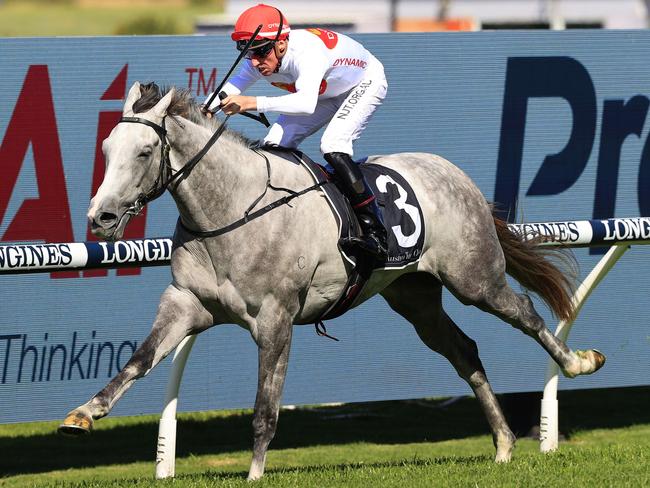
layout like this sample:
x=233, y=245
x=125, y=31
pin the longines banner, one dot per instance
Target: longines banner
x=551, y=125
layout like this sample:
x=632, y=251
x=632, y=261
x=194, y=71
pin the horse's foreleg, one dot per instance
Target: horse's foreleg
x=179, y=314
x=418, y=298
x=273, y=337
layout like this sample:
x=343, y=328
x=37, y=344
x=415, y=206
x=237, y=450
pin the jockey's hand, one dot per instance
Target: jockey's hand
x=206, y=111
x=234, y=104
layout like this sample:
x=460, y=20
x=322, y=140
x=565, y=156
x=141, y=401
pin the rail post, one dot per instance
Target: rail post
x=549, y=417
x=166, y=447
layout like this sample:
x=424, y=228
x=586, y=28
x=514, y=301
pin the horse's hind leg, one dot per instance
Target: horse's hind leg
x=418, y=298
x=524, y=317
x=481, y=281
x=179, y=314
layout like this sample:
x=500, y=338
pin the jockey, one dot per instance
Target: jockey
x=332, y=80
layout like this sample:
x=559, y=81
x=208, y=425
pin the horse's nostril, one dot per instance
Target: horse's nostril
x=107, y=217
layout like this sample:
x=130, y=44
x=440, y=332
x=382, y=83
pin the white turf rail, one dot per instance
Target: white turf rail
x=166, y=450
x=549, y=417
x=45, y=258
x=618, y=233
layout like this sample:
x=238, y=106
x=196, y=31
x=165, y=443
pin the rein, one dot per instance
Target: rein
x=248, y=216
x=165, y=178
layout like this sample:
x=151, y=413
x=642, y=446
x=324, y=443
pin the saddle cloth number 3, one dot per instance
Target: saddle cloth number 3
x=403, y=240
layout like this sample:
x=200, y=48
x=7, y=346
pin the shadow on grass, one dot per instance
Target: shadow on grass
x=395, y=422
x=220, y=477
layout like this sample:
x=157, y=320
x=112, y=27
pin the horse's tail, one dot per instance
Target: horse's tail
x=533, y=267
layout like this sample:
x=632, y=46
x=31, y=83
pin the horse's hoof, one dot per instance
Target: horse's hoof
x=504, y=443
x=588, y=362
x=503, y=456
x=598, y=358
x=76, y=424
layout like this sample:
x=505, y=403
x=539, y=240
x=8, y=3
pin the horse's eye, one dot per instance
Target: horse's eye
x=144, y=154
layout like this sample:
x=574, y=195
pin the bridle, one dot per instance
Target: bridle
x=166, y=175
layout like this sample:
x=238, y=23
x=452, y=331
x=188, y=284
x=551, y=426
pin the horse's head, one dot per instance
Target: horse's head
x=133, y=155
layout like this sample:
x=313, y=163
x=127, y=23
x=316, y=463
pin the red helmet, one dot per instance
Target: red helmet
x=269, y=17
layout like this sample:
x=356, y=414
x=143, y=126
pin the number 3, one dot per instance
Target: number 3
x=411, y=239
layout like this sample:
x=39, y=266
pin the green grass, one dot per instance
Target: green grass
x=419, y=443
x=38, y=19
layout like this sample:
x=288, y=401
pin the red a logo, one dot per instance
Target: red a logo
x=33, y=122
x=108, y=120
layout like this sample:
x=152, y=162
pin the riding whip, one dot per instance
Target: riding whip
x=261, y=118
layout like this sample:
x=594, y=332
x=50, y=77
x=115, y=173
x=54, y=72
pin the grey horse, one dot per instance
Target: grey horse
x=285, y=268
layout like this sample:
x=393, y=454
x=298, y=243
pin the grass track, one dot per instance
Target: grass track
x=373, y=444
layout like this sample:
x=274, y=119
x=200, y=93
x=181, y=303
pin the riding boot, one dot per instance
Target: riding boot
x=357, y=191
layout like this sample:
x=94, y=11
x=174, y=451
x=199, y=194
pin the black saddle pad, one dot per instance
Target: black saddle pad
x=397, y=201
x=402, y=214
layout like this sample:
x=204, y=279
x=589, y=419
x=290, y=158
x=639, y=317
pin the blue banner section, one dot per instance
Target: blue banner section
x=96, y=254
x=599, y=231
x=147, y=252
x=616, y=230
x=552, y=126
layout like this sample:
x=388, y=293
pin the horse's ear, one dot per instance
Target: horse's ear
x=160, y=109
x=131, y=98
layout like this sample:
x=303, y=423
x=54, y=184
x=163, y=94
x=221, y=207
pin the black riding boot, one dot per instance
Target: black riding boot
x=364, y=204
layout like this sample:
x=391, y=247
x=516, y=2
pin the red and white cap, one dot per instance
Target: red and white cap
x=269, y=17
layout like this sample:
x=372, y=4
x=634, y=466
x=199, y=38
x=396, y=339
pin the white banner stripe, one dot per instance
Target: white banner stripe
x=35, y=258
x=581, y=233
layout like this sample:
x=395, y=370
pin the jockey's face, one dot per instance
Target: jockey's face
x=267, y=65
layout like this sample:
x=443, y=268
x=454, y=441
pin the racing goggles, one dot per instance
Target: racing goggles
x=262, y=49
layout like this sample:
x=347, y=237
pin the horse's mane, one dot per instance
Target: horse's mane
x=183, y=105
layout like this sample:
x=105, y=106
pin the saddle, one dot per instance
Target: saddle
x=402, y=218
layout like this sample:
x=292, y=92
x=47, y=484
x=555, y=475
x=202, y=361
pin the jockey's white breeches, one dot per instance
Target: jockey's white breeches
x=348, y=115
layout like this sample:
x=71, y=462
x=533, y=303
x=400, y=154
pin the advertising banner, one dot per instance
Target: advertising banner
x=552, y=126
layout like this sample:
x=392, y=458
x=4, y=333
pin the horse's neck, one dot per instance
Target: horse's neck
x=222, y=186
